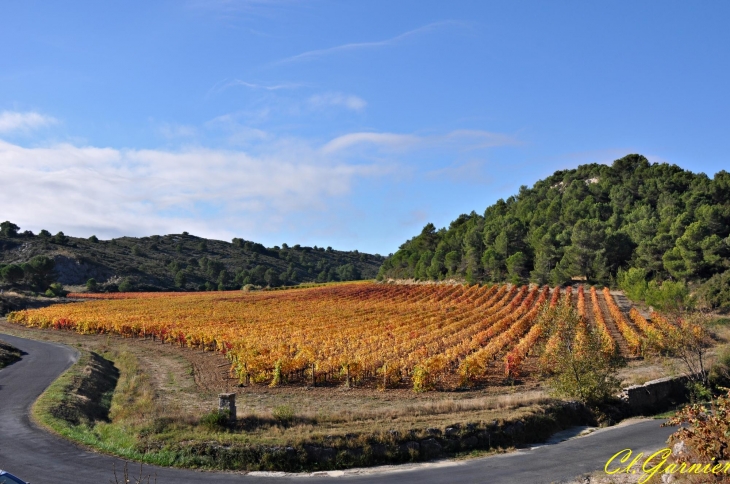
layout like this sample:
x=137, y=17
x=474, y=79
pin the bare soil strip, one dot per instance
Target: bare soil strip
x=612, y=328
x=625, y=306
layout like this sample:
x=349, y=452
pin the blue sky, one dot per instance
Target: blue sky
x=350, y=124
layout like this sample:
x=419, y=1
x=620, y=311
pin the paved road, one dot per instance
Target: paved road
x=42, y=458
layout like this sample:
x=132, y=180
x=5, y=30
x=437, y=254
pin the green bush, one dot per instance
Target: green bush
x=668, y=296
x=8, y=229
x=60, y=238
x=92, y=285
x=126, y=286
x=720, y=371
x=665, y=296
x=214, y=421
x=633, y=283
x=12, y=273
x=57, y=290
x=698, y=392
x=715, y=293
x=283, y=413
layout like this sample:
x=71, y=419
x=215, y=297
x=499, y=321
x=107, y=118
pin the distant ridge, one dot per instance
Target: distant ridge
x=178, y=262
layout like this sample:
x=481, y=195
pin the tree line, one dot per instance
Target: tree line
x=593, y=223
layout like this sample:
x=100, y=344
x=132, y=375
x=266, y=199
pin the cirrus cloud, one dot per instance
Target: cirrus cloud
x=458, y=140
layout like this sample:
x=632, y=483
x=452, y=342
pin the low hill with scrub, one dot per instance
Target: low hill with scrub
x=167, y=262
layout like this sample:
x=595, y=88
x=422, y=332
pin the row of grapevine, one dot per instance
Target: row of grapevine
x=626, y=330
x=607, y=341
x=647, y=328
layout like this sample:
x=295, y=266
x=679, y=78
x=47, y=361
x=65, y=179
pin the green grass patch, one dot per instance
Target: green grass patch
x=723, y=321
x=667, y=414
x=56, y=409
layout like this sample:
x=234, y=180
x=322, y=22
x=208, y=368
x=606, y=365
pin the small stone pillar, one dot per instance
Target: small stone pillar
x=227, y=403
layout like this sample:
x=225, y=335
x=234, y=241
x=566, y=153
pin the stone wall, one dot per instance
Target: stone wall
x=656, y=395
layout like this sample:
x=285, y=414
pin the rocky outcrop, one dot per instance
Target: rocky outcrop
x=75, y=271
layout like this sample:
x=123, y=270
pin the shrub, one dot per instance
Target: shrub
x=126, y=286
x=720, y=371
x=180, y=279
x=666, y=296
x=574, y=358
x=57, y=290
x=92, y=285
x=214, y=421
x=706, y=432
x=633, y=283
x=669, y=296
x=60, y=238
x=283, y=413
x=715, y=293
x=8, y=229
x=12, y=273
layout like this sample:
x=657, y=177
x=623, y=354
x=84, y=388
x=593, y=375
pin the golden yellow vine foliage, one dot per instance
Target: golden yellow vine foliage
x=425, y=335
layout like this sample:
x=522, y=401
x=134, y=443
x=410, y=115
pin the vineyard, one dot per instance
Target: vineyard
x=425, y=336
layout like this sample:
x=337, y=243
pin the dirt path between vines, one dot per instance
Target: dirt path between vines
x=623, y=346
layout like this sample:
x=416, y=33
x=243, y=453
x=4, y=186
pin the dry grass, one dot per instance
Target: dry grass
x=164, y=382
x=639, y=372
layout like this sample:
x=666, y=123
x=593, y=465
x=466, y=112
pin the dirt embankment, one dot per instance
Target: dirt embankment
x=87, y=397
x=8, y=354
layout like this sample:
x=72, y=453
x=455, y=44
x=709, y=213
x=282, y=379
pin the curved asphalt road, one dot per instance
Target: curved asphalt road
x=41, y=458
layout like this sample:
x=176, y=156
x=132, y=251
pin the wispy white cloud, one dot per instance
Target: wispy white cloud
x=319, y=53
x=319, y=101
x=390, y=140
x=270, y=87
x=228, y=83
x=459, y=140
x=218, y=192
x=27, y=121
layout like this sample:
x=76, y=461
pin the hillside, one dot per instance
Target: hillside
x=592, y=222
x=170, y=262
